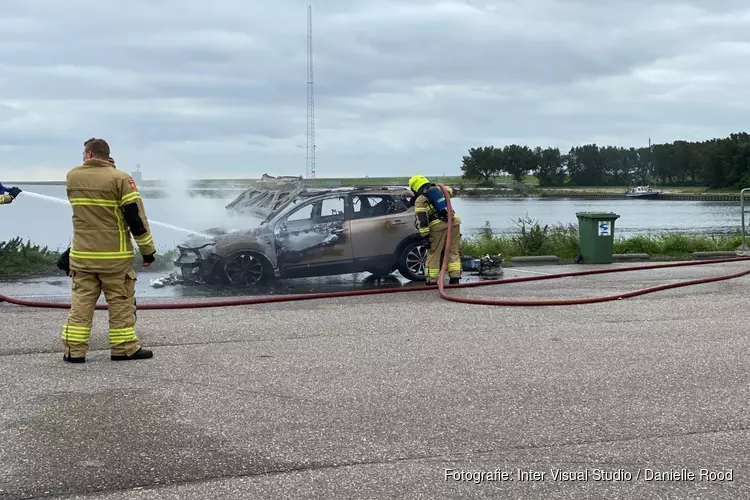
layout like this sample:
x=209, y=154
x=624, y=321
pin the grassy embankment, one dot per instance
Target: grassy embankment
x=24, y=260
x=19, y=260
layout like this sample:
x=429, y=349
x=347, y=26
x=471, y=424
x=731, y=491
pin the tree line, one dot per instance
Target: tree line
x=715, y=163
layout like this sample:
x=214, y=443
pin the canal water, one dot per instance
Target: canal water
x=49, y=224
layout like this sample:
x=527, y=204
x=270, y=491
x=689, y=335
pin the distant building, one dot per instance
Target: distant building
x=137, y=177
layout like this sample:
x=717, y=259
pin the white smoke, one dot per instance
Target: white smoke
x=195, y=211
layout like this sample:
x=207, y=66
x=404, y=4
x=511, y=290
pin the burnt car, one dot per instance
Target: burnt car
x=309, y=232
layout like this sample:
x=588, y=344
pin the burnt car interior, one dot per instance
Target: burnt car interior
x=318, y=212
x=366, y=206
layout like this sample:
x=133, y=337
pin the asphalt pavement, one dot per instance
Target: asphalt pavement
x=393, y=396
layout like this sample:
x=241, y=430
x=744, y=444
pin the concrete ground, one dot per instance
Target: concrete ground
x=394, y=396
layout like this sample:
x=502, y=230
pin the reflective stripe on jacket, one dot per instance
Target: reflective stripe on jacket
x=101, y=237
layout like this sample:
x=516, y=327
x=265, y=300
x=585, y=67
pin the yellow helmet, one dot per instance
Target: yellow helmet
x=417, y=182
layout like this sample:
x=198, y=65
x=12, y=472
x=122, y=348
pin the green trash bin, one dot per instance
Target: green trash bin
x=596, y=234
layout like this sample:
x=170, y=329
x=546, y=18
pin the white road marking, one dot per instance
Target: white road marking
x=532, y=272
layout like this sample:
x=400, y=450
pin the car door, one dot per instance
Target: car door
x=314, y=238
x=380, y=222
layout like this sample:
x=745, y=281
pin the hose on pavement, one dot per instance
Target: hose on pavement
x=441, y=286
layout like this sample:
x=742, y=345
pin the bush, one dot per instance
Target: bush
x=19, y=259
x=562, y=240
x=22, y=260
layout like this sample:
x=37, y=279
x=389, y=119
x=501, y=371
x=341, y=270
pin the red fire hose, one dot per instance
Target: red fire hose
x=440, y=286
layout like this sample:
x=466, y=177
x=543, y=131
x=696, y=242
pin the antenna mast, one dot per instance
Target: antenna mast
x=310, y=100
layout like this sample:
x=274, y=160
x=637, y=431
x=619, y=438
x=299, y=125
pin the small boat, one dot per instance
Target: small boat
x=642, y=192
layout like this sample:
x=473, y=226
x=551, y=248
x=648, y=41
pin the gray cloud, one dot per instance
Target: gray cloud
x=220, y=88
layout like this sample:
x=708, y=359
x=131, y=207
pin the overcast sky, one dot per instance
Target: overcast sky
x=218, y=88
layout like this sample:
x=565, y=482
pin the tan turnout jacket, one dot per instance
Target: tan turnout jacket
x=101, y=237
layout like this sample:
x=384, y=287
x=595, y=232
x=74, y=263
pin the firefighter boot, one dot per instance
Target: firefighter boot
x=454, y=281
x=141, y=353
x=71, y=359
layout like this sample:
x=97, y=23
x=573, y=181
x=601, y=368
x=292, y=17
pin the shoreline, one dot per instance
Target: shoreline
x=219, y=187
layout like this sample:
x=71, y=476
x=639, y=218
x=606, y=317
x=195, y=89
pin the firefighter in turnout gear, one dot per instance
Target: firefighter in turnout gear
x=7, y=195
x=107, y=209
x=430, y=211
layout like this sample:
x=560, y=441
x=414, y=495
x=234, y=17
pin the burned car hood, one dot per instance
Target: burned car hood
x=217, y=235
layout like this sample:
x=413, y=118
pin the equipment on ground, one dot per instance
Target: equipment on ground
x=491, y=266
x=3, y=189
x=171, y=279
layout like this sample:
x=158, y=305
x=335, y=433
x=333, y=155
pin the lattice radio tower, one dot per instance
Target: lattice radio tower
x=310, y=100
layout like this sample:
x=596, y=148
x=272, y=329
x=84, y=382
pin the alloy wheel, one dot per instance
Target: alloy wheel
x=244, y=269
x=415, y=260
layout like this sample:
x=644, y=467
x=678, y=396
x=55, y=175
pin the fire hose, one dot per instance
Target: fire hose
x=441, y=286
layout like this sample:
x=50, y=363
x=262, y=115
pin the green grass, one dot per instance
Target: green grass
x=561, y=240
x=25, y=260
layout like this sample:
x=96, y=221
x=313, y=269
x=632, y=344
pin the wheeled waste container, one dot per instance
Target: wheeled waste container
x=596, y=234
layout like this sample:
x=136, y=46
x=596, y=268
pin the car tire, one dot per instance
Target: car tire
x=411, y=261
x=245, y=268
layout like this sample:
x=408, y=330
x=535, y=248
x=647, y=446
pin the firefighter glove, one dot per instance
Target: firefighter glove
x=14, y=191
x=148, y=259
x=63, y=263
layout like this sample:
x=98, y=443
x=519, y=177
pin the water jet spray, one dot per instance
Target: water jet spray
x=154, y=222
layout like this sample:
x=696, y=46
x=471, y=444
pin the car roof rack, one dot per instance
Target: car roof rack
x=270, y=195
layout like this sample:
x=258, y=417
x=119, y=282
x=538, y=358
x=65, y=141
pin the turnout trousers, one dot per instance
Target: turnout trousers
x=437, y=248
x=119, y=292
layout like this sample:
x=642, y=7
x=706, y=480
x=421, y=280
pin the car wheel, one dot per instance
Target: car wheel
x=245, y=269
x=412, y=261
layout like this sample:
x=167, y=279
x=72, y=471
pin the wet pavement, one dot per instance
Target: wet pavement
x=394, y=396
x=59, y=287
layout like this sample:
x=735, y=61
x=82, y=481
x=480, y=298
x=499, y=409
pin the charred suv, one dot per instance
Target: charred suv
x=310, y=232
